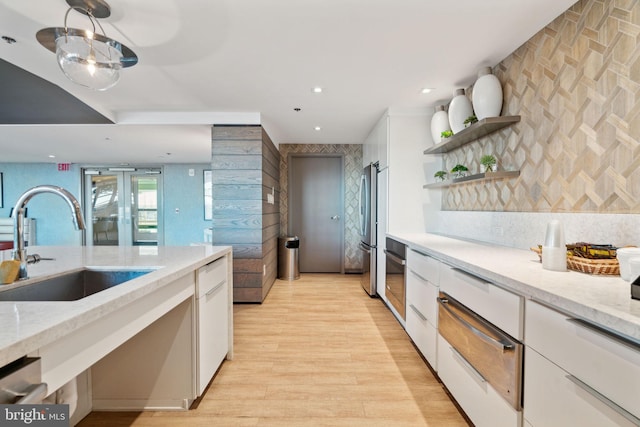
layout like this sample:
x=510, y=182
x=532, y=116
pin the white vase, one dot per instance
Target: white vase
x=487, y=95
x=439, y=123
x=459, y=110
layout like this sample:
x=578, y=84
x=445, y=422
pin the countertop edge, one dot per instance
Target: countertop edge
x=534, y=286
x=82, y=313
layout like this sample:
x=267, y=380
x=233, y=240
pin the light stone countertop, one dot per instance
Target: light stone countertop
x=604, y=300
x=27, y=326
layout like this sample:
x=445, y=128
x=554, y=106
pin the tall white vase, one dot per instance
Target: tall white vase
x=439, y=123
x=487, y=94
x=459, y=110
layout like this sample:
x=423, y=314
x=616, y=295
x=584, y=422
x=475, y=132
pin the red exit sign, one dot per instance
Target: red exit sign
x=64, y=167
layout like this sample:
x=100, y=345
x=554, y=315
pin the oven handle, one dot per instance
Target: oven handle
x=394, y=258
x=501, y=344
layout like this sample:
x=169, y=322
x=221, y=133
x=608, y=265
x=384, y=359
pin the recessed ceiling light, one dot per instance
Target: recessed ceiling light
x=427, y=90
x=52, y=156
x=317, y=128
x=317, y=89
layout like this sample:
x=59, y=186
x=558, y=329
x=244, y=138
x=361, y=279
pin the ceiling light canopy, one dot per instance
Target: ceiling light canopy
x=88, y=58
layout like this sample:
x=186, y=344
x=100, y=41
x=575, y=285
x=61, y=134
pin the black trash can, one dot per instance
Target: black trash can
x=288, y=268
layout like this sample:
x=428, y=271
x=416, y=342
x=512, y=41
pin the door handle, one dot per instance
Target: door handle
x=335, y=217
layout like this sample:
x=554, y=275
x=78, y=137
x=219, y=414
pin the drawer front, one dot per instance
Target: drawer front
x=213, y=334
x=423, y=296
x=593, y=357
x=492, y=353
x=210, y=276
x=498, y=306
x=482, y=404
x=552, y=399
x=424, y=265
x=423, y=334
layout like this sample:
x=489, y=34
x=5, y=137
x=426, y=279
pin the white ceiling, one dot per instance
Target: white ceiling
x=254, y=61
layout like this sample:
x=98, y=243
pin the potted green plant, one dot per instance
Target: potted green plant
x=488, y=161
x=470, y=120
x=459, y=170
x=446, y=134
x=440, y=175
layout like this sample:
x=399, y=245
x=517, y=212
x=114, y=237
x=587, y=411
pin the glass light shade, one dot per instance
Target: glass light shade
x=89, y=62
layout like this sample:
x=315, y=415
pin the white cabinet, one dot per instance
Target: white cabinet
x=482, y=404
x=500, y=307
x=212, y=294
x=374, y=148
x=572, y=364
x=485, y=382
x=421, y=306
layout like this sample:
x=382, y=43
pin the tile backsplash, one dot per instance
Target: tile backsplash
x=575, y=85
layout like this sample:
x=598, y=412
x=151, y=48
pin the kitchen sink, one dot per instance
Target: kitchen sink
x=71, y=286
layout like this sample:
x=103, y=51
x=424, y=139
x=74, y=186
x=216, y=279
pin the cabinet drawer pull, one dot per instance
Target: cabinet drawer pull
x=628, y=342
x=215, y=288
x=611, y=404
x=471, y=279
x=418, y=276
x=394, y=258
x=415, y=310
x=501, y=343
x=473, y=371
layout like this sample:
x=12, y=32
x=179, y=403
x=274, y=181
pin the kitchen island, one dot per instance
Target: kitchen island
x=157, y=316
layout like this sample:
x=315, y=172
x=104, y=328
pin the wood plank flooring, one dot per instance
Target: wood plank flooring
x=317, y=352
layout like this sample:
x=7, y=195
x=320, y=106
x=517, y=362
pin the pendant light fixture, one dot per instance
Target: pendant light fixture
x=88, y=58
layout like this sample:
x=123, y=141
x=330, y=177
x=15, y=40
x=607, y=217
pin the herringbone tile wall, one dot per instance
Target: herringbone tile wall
x=576, y=85
x=352, y=172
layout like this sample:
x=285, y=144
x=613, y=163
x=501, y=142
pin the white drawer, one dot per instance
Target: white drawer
x=423, y=296
x=210, y=276
x=498, y=306
x=424, y=265
x=596, y=358
x=423, y=334
x=482, y=404
x=552, y=399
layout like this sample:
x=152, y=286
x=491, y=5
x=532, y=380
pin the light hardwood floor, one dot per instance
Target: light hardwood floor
x=317, y=352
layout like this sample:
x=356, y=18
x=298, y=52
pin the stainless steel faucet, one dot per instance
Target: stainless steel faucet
x=19, y=252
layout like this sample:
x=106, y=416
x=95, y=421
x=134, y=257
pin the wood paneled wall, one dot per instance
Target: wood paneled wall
x=245, y=171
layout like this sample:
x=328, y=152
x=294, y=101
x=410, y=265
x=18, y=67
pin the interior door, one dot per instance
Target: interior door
x=124, y=207
x=316, y=211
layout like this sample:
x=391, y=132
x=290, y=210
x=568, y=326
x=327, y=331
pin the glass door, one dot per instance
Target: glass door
x=124, y=206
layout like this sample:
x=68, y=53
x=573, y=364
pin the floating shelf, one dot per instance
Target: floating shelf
x=477, y=130
x=477, y=177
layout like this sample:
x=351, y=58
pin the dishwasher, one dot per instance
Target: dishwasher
x=395, y=276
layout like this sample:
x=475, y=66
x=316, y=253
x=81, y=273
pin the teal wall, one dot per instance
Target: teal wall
x=54, y=225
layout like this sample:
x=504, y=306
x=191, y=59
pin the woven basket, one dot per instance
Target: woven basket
x=609, y=267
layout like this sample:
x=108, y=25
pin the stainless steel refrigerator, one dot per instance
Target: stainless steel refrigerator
x=368, y=209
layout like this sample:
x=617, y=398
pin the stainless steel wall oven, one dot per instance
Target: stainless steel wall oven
x=395, y=276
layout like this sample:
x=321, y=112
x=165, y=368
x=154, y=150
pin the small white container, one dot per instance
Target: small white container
x=554, y=250
x=624, y=255
x=554, y=259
